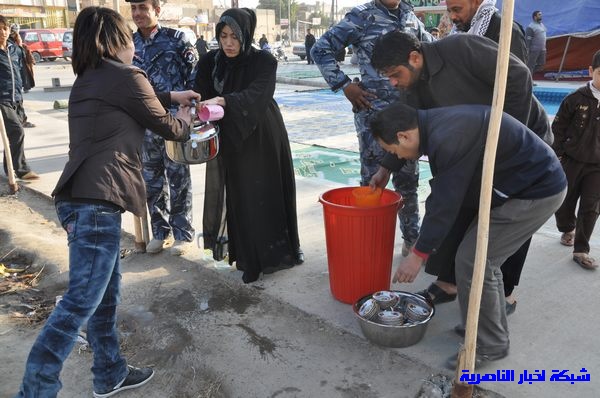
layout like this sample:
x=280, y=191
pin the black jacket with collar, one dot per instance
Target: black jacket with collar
x=110, y=108
x=11, y=83
x=576, y=127
x=454, y=140
x=517, y=39
x=461, y=69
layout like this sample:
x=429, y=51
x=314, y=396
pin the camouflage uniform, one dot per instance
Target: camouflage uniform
x=360, y=28
x=168, y=60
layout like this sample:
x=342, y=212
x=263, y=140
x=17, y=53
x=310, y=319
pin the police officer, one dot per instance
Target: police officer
x=168, y=59
x=360, y=27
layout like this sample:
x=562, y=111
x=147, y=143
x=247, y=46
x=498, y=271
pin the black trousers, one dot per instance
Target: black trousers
x=16, y=139
x=21, y=112
x=584, y=187
x=442, y=262
x=308, y=56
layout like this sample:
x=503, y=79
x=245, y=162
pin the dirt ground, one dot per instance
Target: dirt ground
x=204, y=336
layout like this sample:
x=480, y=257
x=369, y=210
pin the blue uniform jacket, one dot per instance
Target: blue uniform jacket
x=167, y=58
x=360, y=28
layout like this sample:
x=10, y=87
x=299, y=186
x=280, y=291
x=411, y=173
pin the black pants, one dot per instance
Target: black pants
x=308, y=56
x=21, y=112
x=584, y=187
x=442, y=263
x=16, y=139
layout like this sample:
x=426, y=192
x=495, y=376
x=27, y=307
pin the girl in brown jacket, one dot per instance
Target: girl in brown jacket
x=111, y=105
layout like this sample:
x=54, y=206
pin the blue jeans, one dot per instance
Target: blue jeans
x=94, y=232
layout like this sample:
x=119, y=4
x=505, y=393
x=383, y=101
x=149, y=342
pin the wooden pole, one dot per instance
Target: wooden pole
x=145, y=230
x=140, y=244
x=10, y=171
x=142, y=233
x=466, y=355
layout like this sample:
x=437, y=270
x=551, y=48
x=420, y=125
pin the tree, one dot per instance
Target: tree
x=325, y=19
x=280, y=7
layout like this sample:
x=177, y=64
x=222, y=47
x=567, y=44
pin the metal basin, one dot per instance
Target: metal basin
x=202, y=146
x=395, y=335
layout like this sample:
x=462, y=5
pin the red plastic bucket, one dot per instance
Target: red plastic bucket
x=360, y=243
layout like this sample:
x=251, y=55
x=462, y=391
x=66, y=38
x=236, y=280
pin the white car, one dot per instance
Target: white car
x=299, y=50
x=213, y=44
x=67, y=44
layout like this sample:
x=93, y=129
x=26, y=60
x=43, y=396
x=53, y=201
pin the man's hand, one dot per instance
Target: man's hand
x=408, y=269
x=380, y=179
x=184, y=97
x=214, y=101
x=358, y=97
x=184, y=113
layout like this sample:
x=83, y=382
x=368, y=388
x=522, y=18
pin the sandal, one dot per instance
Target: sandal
x=568, y=238
x=436, y=295
x=585, y=261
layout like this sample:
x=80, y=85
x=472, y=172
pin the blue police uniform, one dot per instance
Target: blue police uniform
x=360, y=28
x=168, y=60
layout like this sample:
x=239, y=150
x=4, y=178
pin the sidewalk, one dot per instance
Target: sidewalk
x=555, y=323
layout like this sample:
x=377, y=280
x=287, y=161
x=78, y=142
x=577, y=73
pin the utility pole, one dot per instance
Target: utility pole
x=290, y=20
x=234, y=4
x=332, y=14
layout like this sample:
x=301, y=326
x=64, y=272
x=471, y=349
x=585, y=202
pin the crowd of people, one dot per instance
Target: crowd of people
x=143, y=85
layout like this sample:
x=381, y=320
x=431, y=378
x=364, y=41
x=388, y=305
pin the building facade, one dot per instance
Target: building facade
x=36, y=13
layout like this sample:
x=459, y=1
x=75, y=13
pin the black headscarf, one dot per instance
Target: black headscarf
x=242, y=22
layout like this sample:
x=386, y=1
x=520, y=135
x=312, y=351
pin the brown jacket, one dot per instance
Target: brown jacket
x=576, y=127
x=109, y=109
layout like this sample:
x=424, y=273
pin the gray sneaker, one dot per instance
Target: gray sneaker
x=136, y=377
x=155, y=246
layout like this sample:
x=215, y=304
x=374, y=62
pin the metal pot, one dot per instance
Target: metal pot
x=202, y=146
x=397, y=336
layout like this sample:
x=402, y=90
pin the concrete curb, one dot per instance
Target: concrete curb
x=301, y=82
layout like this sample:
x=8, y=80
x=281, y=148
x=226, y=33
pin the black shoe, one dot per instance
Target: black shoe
x=459, y=330
x=436, y=294
x=136, y=377
x=299, y=257
x=480, y=359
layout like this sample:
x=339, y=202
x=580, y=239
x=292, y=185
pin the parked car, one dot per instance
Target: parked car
x=299, y=50
x=213, y=44
x=42, y=43
x=67, y=44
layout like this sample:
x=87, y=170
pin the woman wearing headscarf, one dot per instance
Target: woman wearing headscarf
x=110, y=106
x=252, y=179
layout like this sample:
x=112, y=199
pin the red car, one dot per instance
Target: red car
x=42, y=43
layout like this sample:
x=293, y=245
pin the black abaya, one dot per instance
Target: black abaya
x=253, y=173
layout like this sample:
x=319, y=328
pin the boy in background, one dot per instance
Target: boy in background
x=576, y=130
x=11, y=93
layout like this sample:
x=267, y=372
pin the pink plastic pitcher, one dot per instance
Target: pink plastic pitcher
x=209, y=113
